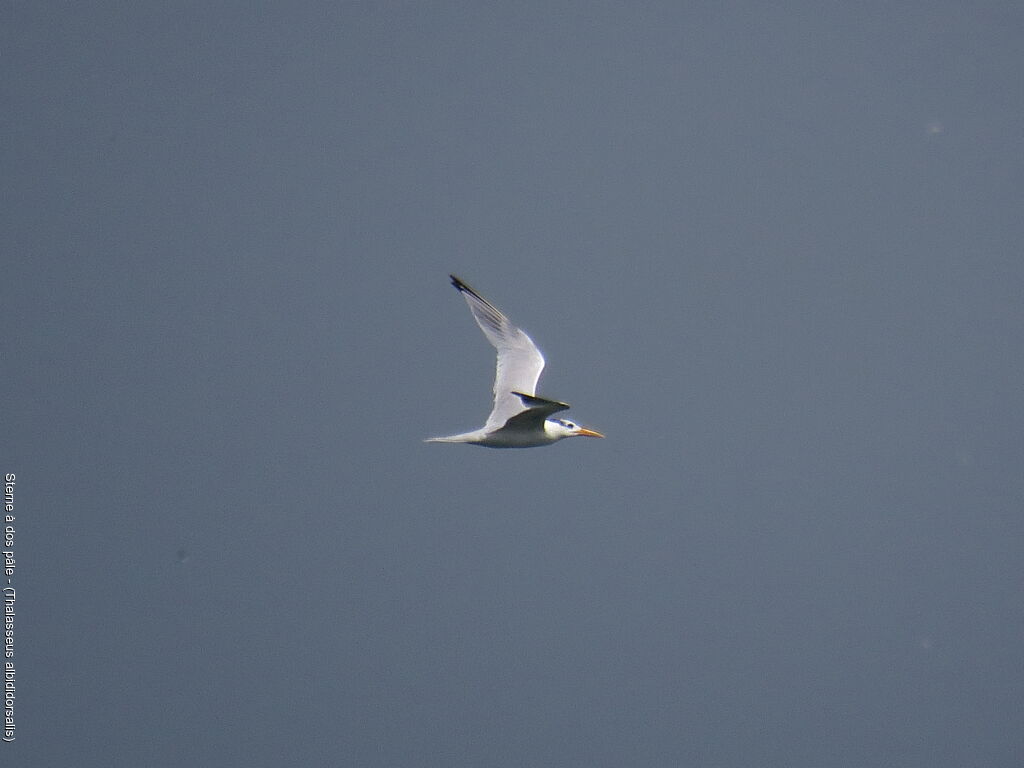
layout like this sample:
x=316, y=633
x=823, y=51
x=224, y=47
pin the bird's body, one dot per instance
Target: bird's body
x=519, y=419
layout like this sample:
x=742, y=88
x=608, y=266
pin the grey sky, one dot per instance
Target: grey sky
x=773, y=252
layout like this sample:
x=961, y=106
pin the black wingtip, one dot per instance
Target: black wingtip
x=465, y=288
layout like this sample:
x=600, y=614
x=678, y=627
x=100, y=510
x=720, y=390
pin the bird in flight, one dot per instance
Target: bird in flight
x=519, y=419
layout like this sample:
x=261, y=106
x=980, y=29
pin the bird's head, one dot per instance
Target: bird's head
x=559, y=428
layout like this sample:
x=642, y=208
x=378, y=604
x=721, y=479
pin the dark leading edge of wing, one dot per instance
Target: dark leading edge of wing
x=485, y=312
x=541, y=403
x=461, y=285
x=466, y=289
x=463, y=288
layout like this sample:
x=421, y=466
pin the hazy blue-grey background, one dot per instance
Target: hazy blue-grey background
x=773, y=251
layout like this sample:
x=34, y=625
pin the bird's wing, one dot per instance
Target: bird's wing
x=537, y=409
x=541, y=405
x=519, y=361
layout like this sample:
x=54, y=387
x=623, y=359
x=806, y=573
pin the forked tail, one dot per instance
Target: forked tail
x=466, y=437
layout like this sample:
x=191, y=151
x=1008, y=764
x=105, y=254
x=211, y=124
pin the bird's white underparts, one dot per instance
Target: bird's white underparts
x=519, y=419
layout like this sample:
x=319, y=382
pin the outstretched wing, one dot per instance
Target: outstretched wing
x=519, y=361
